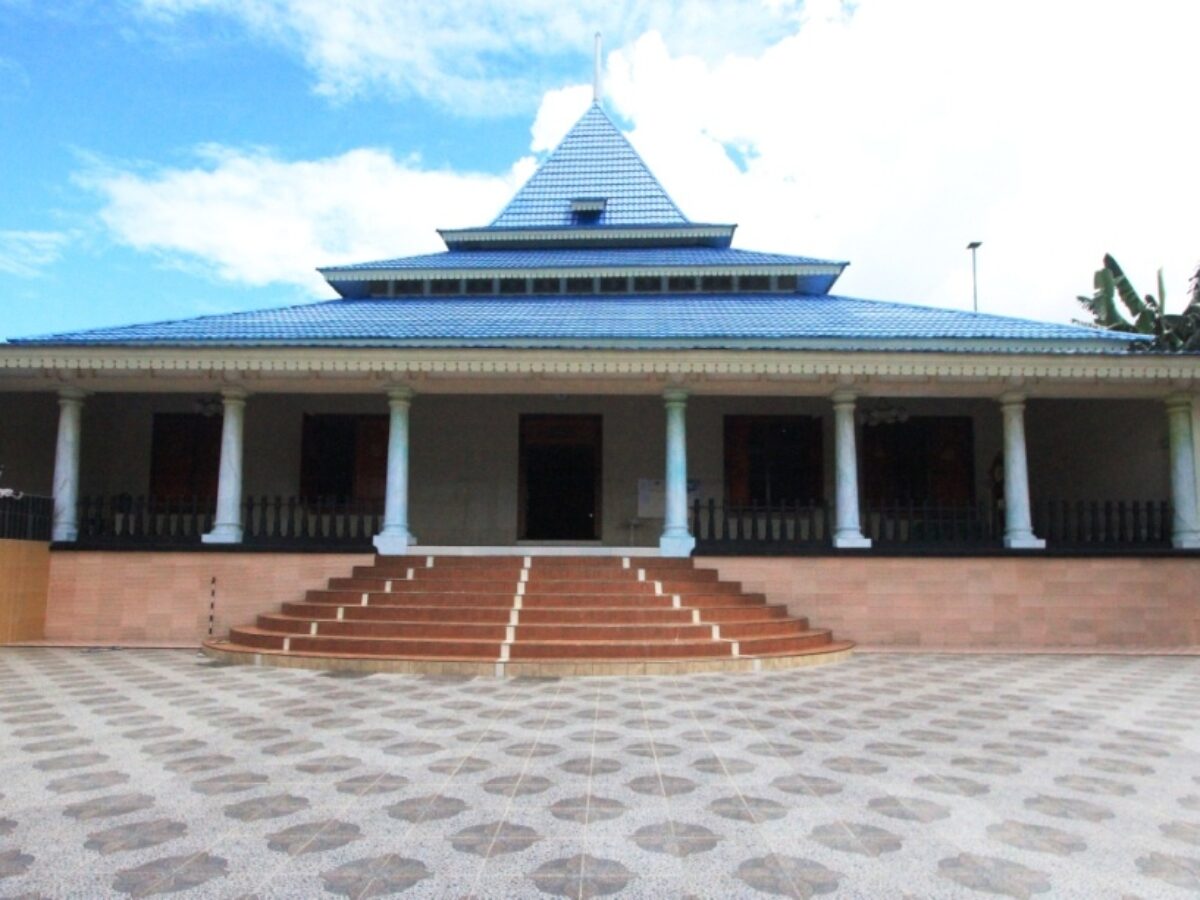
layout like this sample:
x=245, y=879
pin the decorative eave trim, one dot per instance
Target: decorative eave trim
x=489, y=235
x=809, y=269
x=64, y=364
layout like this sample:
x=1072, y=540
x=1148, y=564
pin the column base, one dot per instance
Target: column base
x=1024, y=542
x=851, y=540
x=676, y=545
x=64, y=534
x=1189, y=540
x=223, y=534
x=389, y=544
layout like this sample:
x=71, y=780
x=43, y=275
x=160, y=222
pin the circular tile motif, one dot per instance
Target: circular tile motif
x=1039, y=838
x=788, y=876
x=1068, y=808
x=258, y=809
x=314, y=837
x=378, y=876
x=372, y=783
x=910, y=809
x=229, y=783
x=14, y=863
x=854, y=837
x=135, y=836
x=587, y=809
x=492, y=838
x=170, y=874
x=517, y=785
x=994, y=876
x=590, y=765
x=107, y=807
x=813, y=785
x=662, y=785
x=325, y=765
x=427, y=809
x=680, y=839
x=1181, y=871
x=581, y=877
x=748, y=809
x=949, y=784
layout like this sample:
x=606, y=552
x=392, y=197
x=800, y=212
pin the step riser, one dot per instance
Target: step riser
x=499, y=609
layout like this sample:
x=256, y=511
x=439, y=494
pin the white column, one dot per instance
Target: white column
x=1185, y=525
x=848, y=531
x=1018, y=524
x=395, y=538
x=676, y=540
x=66, y=465
x=228, y=527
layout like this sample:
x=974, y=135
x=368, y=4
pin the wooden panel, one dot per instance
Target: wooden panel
x=24, y=576
x=773, y=460
x=185, y=456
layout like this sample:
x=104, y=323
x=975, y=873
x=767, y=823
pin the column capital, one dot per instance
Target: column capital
x=1178, y=401
x=72, y=393
x=843, y=397
x=400, y=393
x=675, y=395
x=1011, y=398
x=234, y=394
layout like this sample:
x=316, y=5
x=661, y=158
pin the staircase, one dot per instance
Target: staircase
x=541, y=615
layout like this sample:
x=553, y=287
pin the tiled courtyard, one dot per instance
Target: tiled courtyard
x=145, y=772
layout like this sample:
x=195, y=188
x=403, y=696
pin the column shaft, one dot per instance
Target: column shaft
x=1185, y=524
x=848, y=531
x=66, y=465
x=1018, y=522
x=395, y=538
x=676, y=540
x=228, y=526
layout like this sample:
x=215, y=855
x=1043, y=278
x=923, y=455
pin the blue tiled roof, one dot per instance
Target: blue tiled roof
x=682, y=320
x=594, y=160
x=648, y=257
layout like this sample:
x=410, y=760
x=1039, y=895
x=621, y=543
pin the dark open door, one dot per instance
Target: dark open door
x=560, y=478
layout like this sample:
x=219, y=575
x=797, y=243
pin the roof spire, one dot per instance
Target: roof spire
x=596, y=94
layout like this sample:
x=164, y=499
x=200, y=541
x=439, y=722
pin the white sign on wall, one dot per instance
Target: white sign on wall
x=652, y=496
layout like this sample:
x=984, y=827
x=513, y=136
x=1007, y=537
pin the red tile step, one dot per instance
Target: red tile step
x=539, y=610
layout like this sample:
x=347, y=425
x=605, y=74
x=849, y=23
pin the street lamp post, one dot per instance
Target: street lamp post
x=973, y=246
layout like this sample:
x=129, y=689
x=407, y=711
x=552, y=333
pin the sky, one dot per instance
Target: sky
x=161, y=159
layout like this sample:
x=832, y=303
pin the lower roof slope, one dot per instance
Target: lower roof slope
x=677, y=320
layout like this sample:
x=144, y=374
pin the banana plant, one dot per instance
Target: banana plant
x=1143, y=314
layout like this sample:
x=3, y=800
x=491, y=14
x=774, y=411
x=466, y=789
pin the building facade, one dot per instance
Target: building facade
x=595, y=373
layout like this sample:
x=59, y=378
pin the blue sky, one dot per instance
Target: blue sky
x=168, y=158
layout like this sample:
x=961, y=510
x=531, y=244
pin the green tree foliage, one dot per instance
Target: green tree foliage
x=1116, y=306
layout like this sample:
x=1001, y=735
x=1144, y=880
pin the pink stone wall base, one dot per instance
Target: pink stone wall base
x=994, y=603
x=105, y=597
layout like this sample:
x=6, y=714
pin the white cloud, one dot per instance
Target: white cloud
x=889, y=135
x=27, y=253
x=892, y=136
x=478, y=57
x=255, y=219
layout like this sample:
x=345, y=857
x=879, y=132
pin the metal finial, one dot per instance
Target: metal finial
x=596, y=94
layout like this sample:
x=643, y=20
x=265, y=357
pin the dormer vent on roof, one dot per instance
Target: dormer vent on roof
x=587, y=210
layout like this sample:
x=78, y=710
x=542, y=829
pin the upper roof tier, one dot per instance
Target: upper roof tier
x=594, y=177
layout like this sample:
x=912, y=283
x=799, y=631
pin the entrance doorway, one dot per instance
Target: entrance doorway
x=559, y=479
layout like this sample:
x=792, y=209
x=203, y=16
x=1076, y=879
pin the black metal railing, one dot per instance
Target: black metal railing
x=1103, y=523
x=24, y=517
x=274, y=522
x=912, y=524
x=779, y=527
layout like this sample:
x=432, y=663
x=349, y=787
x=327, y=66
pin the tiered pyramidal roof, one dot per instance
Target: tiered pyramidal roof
x=593, y=252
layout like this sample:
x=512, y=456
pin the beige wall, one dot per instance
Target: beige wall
x=464, y=449
x=24, y=571
x=986, y=603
